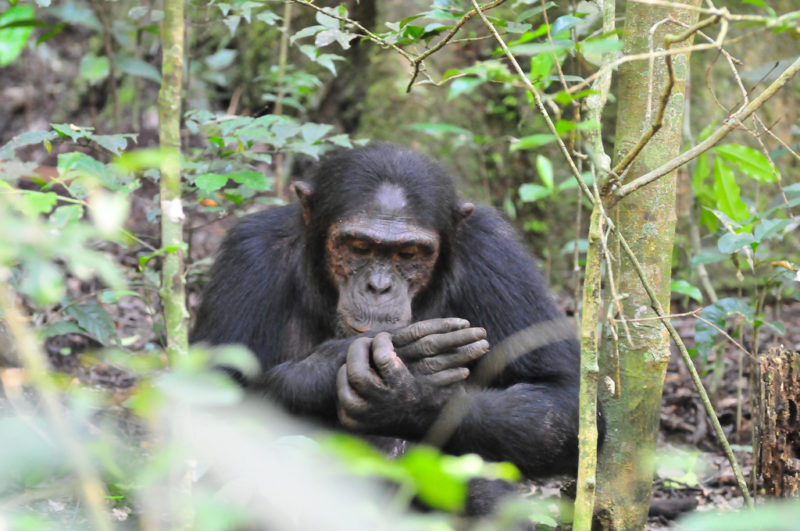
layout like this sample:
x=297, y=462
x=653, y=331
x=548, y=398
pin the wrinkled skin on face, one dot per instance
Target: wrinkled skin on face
x=378, y=263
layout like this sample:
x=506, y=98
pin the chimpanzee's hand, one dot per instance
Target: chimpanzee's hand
x=439, y=345
x=377, y=393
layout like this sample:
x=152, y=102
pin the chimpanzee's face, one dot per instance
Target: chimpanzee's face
x=379, y=259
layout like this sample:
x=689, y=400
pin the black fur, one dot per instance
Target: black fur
x=270, y=291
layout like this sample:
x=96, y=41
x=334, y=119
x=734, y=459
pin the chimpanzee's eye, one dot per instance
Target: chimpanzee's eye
x=359, y=247
x=408, y=253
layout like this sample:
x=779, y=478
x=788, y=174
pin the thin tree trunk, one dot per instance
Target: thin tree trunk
x=647, y=221
x=172, y=216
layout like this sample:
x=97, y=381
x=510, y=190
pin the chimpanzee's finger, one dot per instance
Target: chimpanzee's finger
x=435, y=344
x=460, y=357
x=360, y=374
x=391, y=368
x=348, y=398
x=420, y=329
x=448, y=377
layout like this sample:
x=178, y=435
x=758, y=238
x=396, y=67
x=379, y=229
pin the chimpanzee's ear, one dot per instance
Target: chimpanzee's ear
x=464, y=210
x=303, y=191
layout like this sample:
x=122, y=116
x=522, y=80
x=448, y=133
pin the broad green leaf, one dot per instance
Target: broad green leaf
x=529, y=192
x=463, y=85
x=312, y=132
x=684, y=288
x=94, y=320
x=113, y=143
x=769, y=227
x=436, y=486
x=25, y=139
x=94, y=69
x=137, y=67
x=251, y=179
x=13, y=39
x=731, y=242
x=220, y=60
x=727, y=192
x=545, y=169
x=564, y=23
x=532, y=141
x=751, y=162
x=33, y=203
x=210, y=182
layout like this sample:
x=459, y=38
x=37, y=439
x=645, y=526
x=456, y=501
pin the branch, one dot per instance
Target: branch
x=729, y=125
x=669, y=40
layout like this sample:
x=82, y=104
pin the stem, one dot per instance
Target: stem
x=172, y=216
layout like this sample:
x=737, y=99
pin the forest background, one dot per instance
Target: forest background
x=523, y=103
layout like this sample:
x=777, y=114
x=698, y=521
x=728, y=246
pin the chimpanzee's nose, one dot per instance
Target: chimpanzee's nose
x=379, y=282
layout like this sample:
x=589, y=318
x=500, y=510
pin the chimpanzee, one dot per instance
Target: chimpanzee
x=370, y=303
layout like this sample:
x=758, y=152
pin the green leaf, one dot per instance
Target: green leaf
x=717, y=313
x=113, y=143
x=34, y=203
x=312, y=132
x=137, y=67
x=13, y=39
x=529, y=192
x=732, y=242
x=727, y=192
x=545, y=169
x=769, y=227
x=750, y=161
x=94, y=320
x=94, y=69
x=463, y=85
x=532, y=141
x=60, y=328
x=564, y=23
x=251, y=179
x=220, y=60
x=537, y=48
x=210, y=182
x=684, y=288
x=435, y=485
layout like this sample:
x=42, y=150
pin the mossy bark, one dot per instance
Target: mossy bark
x=172, y=216
x=646, y=219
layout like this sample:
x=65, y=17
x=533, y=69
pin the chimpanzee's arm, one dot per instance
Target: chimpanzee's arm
x=528, y=412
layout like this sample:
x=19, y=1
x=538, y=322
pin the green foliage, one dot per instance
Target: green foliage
x=438, y=479
x=16, y=24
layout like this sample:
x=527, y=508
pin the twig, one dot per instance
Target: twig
x=417, y=61
x=731, y=123
x=669, y=40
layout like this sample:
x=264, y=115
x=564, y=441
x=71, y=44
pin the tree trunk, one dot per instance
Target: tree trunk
x=646, y=219
x=172, y=216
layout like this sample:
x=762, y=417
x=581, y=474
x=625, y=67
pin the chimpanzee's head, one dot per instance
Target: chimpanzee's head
x=381, y=219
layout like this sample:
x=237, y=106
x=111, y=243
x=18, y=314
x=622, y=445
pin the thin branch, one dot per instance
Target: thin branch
x=730, y=124
x=417, y=61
